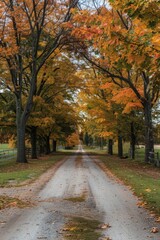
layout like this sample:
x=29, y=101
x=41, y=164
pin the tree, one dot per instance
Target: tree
x=123, y=43
x=57, y=83
x=109, y=111
x=72, y=140
x=7, y=116
x=95, y=103
x=30, y=32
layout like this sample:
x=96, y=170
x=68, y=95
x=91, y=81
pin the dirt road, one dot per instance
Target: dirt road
x=104, y=198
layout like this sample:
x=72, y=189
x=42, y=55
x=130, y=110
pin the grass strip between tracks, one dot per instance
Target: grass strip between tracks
x=82, y=228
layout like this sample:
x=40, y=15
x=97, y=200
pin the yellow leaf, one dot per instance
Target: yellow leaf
x=154, y=230
x=148, y=190
x=156, y=41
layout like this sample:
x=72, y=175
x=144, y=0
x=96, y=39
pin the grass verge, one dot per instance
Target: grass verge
x=82, y=229
x=143, y=179
x=4, y=146
x=12, y=173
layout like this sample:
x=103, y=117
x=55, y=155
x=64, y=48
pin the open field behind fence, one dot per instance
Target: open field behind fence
x=7, y=154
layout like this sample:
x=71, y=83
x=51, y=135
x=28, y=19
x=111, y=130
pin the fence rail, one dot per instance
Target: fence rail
x=8, y=153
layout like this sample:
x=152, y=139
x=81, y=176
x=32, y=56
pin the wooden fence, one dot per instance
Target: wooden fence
x=8, y=154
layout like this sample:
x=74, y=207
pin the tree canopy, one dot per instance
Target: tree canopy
x=69, y=63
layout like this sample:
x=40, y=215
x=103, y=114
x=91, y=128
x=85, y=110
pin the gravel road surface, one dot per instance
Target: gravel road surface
x=105, y=199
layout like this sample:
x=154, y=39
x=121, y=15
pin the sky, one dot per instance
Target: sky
x=94, y=3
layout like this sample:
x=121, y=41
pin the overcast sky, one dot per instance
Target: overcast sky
x=92, y=4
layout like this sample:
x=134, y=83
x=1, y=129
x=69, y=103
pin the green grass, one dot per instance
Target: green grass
x=97, y=150
x=94, y=149
x=82, y=229
x=143, y=179
x=4, y=146
x=16, y=177
x=12, y=172
x=126, y=147
x=6, y=163
x=139, y=152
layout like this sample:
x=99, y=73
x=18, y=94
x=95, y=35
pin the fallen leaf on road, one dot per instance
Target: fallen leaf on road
x=158, y=219
x=154, y=230
x=2, y=222
x=65, y=229
x=12, y=204
x=141, y=204
x=104, y=226
x=68, y=235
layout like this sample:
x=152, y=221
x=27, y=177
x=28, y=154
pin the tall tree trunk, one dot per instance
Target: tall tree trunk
x=120, y=146
x=147, y=104
x=21, y=120
x=101, y=143
x=21, y=156
x=132, y=142
x=22, y=117
x=41, y=145
x=149, y=141
x=54, y=145
x=21, y=125
x=34, y=142
x=47, y=145
x=110, y=146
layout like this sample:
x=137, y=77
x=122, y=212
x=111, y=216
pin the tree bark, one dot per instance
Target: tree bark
x=54, y=145
x=149, y=141
x=21, y=124
x=86, y=139
x=110, y=146
x=21, y=156
x=132, y=142
x=101, y=143
x=47, y=145
x=41, y=146
x=147, y=104
x=120, y=146
x=34, y=142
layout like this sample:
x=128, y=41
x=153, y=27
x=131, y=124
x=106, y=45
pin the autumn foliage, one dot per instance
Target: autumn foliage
x=123, y=43
x=62, y=58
